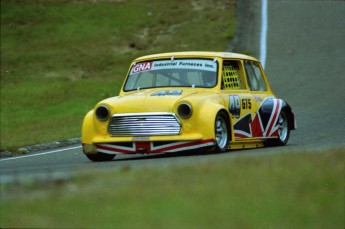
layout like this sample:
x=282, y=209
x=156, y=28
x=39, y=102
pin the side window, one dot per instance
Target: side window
x=254, y=76
x=231, y=77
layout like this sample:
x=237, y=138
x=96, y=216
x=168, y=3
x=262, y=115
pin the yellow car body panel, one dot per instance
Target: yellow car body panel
x=186, y=100
x=95, y=131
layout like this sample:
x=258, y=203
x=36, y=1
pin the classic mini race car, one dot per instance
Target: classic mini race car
x=181, y=101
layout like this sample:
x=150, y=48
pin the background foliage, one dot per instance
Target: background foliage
x=60, y=57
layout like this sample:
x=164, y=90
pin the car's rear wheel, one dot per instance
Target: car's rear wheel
x=100, y=157
x=283, y=130
x=221, y=132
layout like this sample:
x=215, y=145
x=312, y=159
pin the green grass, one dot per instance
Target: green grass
x=288, y=190
x=59, y=58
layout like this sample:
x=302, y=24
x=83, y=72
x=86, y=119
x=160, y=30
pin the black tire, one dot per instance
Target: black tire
x=283, y=130
x=100, y=157
x=221, y=131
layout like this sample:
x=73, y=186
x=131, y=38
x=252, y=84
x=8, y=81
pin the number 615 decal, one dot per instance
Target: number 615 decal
x=235, y=105
x=246, y=104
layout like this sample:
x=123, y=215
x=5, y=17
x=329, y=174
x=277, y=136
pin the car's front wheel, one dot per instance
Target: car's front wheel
x=100, y=157
x=221, y=132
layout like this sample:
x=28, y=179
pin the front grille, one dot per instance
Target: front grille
x=144, y=124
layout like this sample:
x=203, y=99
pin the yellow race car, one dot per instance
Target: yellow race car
x=181, y=101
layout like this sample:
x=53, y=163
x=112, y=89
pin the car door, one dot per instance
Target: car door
x=237, y=98
x=246, y=94
x=264, y=107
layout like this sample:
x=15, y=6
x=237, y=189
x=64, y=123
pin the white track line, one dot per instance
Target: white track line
x=263, y=36
x=40, y=154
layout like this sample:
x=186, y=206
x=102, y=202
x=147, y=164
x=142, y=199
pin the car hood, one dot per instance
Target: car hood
x=153, y=100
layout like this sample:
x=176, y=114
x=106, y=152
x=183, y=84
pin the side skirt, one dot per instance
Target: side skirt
x=246, y=144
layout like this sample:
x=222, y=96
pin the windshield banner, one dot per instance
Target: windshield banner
x=197, y=64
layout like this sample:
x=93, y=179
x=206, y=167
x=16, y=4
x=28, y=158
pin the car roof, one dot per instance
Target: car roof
x=201, y=54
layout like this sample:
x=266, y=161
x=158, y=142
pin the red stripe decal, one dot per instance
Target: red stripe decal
x=114, y=149
x=256, y=127
x=273, y=121
x=149, y=150
x=182, y=146
x=238, y=135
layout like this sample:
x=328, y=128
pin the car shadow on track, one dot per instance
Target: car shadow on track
x=195, y=153
x=190, y=153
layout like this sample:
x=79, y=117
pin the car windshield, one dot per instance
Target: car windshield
x=172, y=73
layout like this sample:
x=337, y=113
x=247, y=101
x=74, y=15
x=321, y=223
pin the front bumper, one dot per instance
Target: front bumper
x=146, y=147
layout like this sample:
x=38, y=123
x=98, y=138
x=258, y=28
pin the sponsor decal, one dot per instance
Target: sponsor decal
x=234, y=106
x=167, y=92
x=159, y=93
x=257, y=98
x=146, y=66
x=174, y=92
x=198, y=64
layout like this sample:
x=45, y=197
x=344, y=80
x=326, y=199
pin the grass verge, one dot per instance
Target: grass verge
x=288, y=190
x=58, y=58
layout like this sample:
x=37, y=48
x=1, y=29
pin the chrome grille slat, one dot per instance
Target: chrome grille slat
x=136, y=129
x=144, y=124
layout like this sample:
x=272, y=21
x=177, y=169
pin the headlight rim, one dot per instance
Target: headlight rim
x=182, y=113
x=102, y=117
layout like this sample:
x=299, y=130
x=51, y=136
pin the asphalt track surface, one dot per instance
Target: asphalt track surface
x=305, y=59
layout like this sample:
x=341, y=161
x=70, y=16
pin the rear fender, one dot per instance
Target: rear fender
x=290, y=115
x=266, y=107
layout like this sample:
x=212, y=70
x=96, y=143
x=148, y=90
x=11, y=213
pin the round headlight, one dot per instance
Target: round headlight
x=184, y=110
x=102, y=113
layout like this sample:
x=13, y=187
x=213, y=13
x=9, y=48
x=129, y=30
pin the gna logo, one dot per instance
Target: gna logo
x=142, y=67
